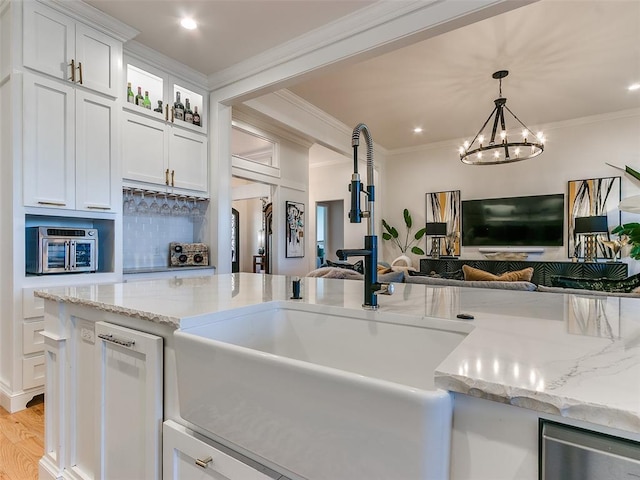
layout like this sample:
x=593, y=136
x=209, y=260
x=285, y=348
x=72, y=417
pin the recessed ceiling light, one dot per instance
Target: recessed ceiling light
x=188, y=23
x=417, y=130
x=634, y=86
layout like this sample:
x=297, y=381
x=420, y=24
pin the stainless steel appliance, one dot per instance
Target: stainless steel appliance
x=61, y=250
x=569, y=453
x=188, y=254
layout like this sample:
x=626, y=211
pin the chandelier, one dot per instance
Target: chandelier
x=501, y=145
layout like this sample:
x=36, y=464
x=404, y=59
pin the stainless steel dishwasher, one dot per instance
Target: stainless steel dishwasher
x=569, y=453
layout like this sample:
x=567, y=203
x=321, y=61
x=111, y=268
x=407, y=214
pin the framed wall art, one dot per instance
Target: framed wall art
x=295, y=229
x=589, y=198
x=446, y=207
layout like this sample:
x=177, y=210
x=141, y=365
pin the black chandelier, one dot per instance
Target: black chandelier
x=498, y=148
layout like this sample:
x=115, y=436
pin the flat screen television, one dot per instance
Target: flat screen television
x=535, y=221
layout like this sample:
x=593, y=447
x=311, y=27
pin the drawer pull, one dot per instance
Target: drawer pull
x=125, y=342
x=204, y=463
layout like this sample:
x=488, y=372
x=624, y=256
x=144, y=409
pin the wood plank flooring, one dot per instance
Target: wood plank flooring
x=21, y=442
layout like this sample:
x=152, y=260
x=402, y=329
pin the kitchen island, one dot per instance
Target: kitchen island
x=527, y=355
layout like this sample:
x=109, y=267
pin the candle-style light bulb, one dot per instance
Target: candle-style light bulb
x=481, y=139
x=466, y=144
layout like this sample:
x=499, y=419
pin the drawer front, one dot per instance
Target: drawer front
x=32, y=307
x=33, y=372
x=187, y=457
x=32, y=340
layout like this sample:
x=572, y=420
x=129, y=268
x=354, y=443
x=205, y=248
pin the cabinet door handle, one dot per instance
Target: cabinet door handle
x=125, y=342
x=166, y=112
x=204, y=463
x=173, y=175
x=96, y=207
x=173, y=112
x=55, y=204
x=73, y=70
x=166, y=177
x=80, y=70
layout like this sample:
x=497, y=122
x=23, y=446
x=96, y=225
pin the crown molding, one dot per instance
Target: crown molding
x=249, y=117
x=148, y=55
x=333, y=123
x=370, y=17
x=88, y=14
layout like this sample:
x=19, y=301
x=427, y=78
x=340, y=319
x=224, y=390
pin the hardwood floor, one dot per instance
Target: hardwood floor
x=21, y=442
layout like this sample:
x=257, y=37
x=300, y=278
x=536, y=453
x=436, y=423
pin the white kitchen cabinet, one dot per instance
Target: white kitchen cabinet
x=128, y=375
x=187, y=457
x=159, y=154
x=158, y=150
x=69, y=147
x=57, y=45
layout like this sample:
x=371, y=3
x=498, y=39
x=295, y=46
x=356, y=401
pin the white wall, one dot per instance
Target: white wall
x=574, y=150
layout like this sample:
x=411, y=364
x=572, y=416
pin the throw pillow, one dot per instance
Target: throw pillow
x=625, y=285
x=475, y=274
x=358, y=266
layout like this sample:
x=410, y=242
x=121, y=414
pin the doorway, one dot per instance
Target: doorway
x=329, y=230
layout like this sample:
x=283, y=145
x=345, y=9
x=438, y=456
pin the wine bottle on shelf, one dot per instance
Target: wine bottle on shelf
x=188, y=114
x=146, y=103
x=159, y=107
x=178, y=108
x=130, y=96
x=196, y=116
x=139, y=98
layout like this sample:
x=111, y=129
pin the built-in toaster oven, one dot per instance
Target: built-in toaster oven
x=61, y=250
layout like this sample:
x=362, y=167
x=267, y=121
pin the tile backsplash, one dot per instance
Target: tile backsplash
x=147, y=238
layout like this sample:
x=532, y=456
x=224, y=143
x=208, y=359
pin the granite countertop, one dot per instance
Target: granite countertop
x=569, y=355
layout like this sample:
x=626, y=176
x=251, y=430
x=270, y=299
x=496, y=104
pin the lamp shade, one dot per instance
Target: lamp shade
x=593, y=224
x=437, y=228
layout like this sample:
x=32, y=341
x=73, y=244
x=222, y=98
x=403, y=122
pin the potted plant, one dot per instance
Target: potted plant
x=408, y=241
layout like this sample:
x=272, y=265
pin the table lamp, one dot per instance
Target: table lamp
x=436, y=230
x=590, y=227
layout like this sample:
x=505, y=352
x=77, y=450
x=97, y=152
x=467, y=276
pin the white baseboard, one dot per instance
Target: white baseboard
x=14, y=402
x=47, y=469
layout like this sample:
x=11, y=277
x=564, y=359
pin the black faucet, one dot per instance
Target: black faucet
x=370, y=250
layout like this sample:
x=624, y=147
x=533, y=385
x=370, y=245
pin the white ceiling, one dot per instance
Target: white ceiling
x=567, y=59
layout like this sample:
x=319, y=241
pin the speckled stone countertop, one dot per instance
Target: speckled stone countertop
x=569, y=355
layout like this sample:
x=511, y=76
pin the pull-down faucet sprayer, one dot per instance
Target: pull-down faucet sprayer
x=370, y=251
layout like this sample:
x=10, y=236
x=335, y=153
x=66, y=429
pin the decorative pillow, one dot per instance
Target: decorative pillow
x=358, y=266
x=456, y=275
x=475, y=274
x=391, y=277
x=626, y=285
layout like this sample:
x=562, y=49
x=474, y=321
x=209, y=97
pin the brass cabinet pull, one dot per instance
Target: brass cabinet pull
x=96, y=207
x=204, y=463
x=57, y=204
x=73, y=70
x=173, y=112
x=173, y=174
x=166, y=177
x=80, y=69
x=166, y=112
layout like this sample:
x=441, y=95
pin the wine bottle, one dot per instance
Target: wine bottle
x=178, y=108
x=188, y=114
x=130, y=96
x=146, y=103
x=159, y=107
x=196, y=116
x=139, y=98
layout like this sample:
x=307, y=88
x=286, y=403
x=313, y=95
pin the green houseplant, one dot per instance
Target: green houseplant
x=408, y=242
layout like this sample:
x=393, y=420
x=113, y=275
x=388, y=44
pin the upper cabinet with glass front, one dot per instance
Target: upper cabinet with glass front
x=63, y=48
x=164, y=136
x=159, y=94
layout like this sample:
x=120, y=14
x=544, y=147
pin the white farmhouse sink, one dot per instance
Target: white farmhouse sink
x=322, y=392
